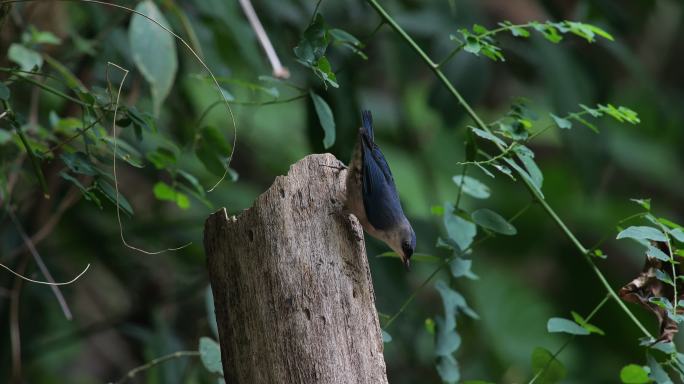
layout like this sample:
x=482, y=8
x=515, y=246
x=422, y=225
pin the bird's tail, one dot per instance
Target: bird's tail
x=367, y=122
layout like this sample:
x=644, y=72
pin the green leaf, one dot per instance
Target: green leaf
x=215, y=141
x=162, y=157
x=210, y=354
x=657, y=372
x=599, y=32
x=454, y=303
x=430, y=326
x=526, y=156
x=472, y=187
x=323, y=70
x=153, y=50
x=678, y=234
x=559, y=324
x=213, y=162
x=386, y=337
x=586, y=325
x=461, y=268
x=314, y=42
x=552, y=370
x=561, y=122
x=348, y=40
x=599, y=253
x=27, y=58
x=645, y=203
x=634, y=374
x=192, y=181
x=163, y=191
x=667, y=348
x=493, y=221
x=460, y=231
x=211, y=311
x=124, y=151
x=664, y=277
x=448, y=370
x=642, y=233
x=34, y=36
x=5, y=137
x=110, y=193
x=87, y=193
x=654, y=252
x=488, y=136
x=325, y=116
x=79, y=162
x=4, y=92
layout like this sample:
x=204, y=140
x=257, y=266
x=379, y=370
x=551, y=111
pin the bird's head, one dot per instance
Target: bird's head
x=404, y=244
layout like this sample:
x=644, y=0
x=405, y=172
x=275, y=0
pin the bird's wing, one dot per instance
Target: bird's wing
x=380, y=199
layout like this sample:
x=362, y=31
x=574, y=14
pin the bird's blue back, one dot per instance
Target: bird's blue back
x=380, y=199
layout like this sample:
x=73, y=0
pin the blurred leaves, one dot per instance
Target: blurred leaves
x=153, y=50
x=165, y=192
x=27, y=58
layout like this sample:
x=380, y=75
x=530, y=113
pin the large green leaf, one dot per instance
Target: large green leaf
x=472, y=186
x=493, y=221
x=27, y=58
x=325, y=116
x=210, y=353
x=642, y=233
x=634, y=374
x=559, y=324
x=153, y=50
x=460, y=231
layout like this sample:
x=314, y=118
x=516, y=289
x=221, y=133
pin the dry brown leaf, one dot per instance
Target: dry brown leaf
x=647, y=286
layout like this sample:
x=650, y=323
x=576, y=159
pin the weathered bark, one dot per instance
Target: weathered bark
x=292, y=288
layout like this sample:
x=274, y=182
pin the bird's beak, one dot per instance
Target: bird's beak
x=407, y=263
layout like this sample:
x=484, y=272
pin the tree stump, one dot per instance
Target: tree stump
x=292, y=288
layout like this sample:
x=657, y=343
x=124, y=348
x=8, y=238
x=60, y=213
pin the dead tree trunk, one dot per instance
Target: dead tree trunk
x=292, y=288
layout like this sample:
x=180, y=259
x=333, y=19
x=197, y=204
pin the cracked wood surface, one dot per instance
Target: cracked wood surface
x=292, y=288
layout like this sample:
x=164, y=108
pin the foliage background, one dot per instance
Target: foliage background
x=131, y=307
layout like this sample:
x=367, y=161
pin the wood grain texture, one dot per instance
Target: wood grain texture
x=292, y=289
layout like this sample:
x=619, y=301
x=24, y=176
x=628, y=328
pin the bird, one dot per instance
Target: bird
x=372, y=195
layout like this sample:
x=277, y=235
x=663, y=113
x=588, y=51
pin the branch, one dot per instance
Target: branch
x=278, y=70
x=40, y=263
x=440, y=75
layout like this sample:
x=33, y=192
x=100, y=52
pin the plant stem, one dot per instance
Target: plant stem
x=569, y=340
x=474, y=116
x=415, y=293
x=446, y=263
x=55, y=91
x=152, y=363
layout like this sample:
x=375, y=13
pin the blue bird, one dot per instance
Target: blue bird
x=372, y=196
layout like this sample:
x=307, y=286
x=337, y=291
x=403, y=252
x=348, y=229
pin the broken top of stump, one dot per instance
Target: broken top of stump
x=292, y=289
